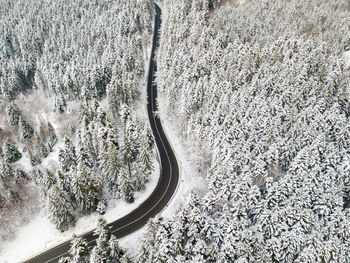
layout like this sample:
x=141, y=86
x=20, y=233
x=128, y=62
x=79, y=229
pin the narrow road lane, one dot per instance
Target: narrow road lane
x=169, y=173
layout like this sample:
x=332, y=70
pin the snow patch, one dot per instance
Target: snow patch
x=132, y=243
x=159, y=3
x=230, y=3
x=51, y=161
x=346, y=55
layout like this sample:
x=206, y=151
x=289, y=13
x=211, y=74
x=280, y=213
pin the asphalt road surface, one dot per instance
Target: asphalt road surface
x=169, y=174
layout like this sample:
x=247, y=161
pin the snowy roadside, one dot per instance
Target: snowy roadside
x=189, y=181
x=189, y=178
x=159, y=3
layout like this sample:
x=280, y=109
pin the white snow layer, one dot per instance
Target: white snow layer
x=347, y=58
x=159, y=3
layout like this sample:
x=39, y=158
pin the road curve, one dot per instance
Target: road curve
x=169, y=173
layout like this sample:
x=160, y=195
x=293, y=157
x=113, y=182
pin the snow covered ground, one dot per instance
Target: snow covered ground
x=347, y=58
x=230, y=2
x=159, y=3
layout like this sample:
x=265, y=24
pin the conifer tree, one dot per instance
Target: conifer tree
x=51, y=136
x=59, y=209
x=10, y=152
x=113, y=168
x=67, y=156
x=116, y=252
x=25, y=130
x=5, y=168
x=101, y=117
x=128, y=153
x=79, y=251
x=145, y=155
x=63, y=181
x=103, y=152
x=86, y=150
x=126, y=187
x=43, y=150
x=61, y=103
x=107, y=249
x=13, y=114
x=48, y=180
x=86, y=191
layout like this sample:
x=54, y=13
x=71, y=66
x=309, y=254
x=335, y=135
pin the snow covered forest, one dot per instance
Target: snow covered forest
x=261, y=88
x=71, y=138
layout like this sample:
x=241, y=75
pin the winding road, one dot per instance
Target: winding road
x=169, y=173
